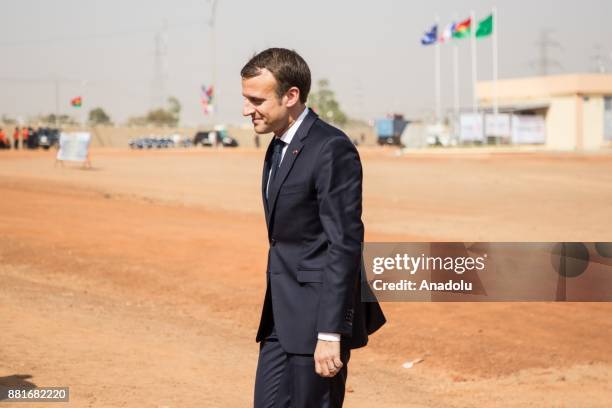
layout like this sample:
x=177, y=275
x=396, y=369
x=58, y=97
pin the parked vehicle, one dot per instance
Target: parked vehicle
x=208, y=138
x=390, y=129
x=42, y=137
x=202, y=139
x=48, y=137
x=151, y=143
x=229, y=141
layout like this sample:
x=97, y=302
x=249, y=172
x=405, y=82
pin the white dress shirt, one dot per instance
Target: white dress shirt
x=287, y=137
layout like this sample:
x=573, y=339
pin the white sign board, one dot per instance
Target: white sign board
x=498, y=125
x=472, y=129
x=73, y=146
x=608, y=118
x=528, y=129
x=608, y=125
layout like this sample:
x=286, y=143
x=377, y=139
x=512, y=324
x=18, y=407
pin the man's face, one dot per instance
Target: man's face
x=268, y=113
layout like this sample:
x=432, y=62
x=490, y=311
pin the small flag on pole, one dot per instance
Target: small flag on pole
x=206, y=99
x=76, y=102
x=448, y=32
x=430, y=37
x=463, y=29
x=485, y=27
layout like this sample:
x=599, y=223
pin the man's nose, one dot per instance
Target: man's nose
x=247, y=108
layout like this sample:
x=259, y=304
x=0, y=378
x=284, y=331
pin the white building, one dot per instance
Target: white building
x=576, y=109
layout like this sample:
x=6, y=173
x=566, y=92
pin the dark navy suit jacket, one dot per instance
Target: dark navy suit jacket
x=313, y=216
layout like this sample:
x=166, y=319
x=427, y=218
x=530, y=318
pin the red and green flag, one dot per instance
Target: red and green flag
x=206, y=98
x=485, y=27
x=76, y=102
x=463, y=29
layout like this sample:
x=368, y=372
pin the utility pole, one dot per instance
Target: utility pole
x=57, y=100
x=438, y=87
x=358, y=98
x=211, y=25
x=544, y=62
x=158, y=87
x=474, y=61
x=600, y=59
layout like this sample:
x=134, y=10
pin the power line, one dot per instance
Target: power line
x=118, y=34
x=160, y=67
x=49, y=79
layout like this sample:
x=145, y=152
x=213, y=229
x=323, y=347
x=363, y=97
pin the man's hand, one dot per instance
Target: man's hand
x=327, y=358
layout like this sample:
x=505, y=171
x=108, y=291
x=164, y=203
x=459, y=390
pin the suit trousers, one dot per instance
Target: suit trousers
x=286, y=380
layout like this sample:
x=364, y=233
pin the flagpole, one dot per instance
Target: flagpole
x=213, y=60
x=57, y=101
x=213, y=47
x=474, y=60
x=83, y=117
x=495, y=67
x=456, y=78
x=438, y=80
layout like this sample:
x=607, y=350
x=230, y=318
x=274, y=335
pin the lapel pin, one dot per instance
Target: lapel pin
x=296, y=151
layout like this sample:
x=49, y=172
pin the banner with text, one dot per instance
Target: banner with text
x=73, y=146
x=488, y=271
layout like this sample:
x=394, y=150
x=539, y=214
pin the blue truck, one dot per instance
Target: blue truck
x=390, y=129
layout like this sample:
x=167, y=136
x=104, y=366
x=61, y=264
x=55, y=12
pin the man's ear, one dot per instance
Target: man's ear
x=293, y=96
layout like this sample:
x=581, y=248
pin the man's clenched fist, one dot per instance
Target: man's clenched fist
x=327, y=358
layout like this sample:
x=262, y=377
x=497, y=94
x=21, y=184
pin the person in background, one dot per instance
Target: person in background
x=16, y=137
x=25, y=134
x=4, y=143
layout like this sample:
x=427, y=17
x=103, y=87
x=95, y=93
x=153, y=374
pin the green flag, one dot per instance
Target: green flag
x=485, y=27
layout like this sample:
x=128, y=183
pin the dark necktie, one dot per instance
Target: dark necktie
x=277, y=153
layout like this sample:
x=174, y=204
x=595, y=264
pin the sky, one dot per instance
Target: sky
x=370, y=51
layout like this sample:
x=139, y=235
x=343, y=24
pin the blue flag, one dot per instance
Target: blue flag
x=431, y=36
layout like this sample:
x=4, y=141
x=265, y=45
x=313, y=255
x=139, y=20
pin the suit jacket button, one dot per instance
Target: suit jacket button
x=272, y=242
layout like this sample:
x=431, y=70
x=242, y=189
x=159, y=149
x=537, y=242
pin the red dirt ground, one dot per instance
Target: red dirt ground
x=139, y=283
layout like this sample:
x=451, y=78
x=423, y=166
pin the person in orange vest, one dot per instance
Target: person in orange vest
x=4, y=144
x=25, y=133
x=16, y=137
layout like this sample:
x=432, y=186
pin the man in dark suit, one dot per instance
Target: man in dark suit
x=313, y=313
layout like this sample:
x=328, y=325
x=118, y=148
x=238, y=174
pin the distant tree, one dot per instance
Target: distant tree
x=174, y=106
x=324, y=102
x=97, y=116
x=159, y=116
x=137, y=121
x=7, y=120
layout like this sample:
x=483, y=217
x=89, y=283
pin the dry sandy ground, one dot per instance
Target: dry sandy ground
x=139, y=283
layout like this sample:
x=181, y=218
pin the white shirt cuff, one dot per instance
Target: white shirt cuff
x=329, y=336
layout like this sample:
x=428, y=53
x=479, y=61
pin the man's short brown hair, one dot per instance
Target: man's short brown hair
x=287, y=67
